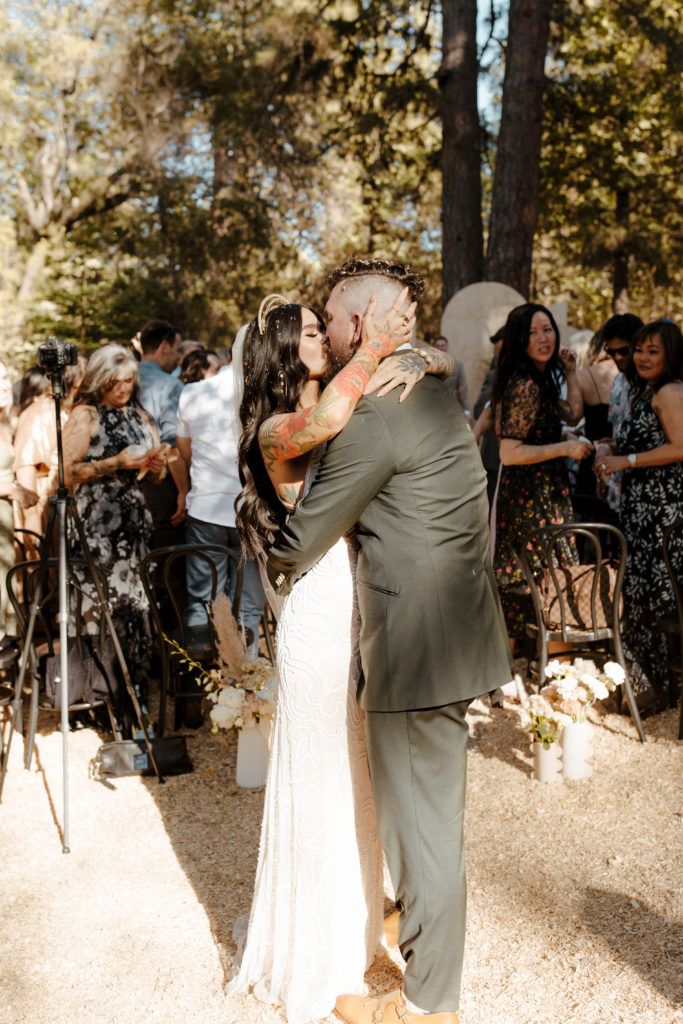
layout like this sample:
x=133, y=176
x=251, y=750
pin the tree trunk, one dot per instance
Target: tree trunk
x=462, y=246
x=621, y=300
x=514, y=203
x=20, y=307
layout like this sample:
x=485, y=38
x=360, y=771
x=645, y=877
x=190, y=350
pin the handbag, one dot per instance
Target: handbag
x=575, y=588
x=129, y=757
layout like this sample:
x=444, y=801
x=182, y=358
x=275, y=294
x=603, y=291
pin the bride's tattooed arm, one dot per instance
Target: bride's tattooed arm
x=286, y=437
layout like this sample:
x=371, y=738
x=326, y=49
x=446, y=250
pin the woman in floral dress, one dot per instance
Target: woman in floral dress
x=649, y=447
x=101, y=469
x=533, y=486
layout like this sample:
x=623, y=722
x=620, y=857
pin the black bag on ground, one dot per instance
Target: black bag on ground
x=93, y=673
x=130, y=757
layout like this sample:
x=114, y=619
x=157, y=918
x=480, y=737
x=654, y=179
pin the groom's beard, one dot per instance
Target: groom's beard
x=334, y=365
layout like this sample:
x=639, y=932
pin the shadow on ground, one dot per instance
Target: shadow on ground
x=638, y=937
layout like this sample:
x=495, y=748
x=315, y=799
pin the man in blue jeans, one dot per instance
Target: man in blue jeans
x=206, y=438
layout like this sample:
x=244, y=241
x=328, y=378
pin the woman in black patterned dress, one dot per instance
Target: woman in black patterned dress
x=101, y=469
x=533, y=486
x=650, y=447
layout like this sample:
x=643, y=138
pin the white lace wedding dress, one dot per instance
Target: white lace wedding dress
x=317, y=912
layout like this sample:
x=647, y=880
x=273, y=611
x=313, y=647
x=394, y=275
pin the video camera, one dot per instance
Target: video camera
x=56, y=353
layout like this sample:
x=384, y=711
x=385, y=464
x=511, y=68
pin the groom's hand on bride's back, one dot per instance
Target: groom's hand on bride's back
x=402, y=369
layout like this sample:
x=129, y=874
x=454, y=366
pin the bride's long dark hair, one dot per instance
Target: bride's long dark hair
x=274, y=377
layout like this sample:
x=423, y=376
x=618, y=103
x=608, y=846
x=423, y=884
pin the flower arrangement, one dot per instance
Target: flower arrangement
x=543, y=721
x=573, y=687
x=245, y=701
x=241, y=691
x=566, y=697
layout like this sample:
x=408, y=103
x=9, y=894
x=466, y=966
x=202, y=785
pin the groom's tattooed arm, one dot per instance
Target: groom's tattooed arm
x=407, y=368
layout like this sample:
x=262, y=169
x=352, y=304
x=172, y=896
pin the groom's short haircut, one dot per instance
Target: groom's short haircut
x=363, y=278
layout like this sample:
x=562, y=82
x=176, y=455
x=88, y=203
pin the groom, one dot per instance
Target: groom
x=409, y=478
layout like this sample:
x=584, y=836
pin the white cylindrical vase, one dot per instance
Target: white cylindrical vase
x=252, y=757
x=576, y=749
x=546, y=762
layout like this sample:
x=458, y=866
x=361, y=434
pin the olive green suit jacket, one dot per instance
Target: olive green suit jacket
x=409, y=478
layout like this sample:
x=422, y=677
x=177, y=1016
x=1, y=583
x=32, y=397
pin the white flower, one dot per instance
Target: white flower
x=566, y=688
x=230, y=698
x=257, y=674
x=597, y=689
x=555, y=668
x=614, y=671
x=585, y=667
x=538, y=705
x=221, y=717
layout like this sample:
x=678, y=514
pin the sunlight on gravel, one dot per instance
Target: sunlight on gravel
x=575, y=888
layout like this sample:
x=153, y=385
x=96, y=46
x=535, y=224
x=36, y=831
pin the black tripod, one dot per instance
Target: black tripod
x=60, y=506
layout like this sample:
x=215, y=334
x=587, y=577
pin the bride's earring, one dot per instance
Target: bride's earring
x=282, y=380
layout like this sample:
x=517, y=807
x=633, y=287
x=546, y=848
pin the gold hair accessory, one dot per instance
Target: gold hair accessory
x=270, y=302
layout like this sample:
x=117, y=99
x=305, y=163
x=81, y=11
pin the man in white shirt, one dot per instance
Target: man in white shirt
x=206, y=438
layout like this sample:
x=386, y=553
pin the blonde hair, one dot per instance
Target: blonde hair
x=103, y=366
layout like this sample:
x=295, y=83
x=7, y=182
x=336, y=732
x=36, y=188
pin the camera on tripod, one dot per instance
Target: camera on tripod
x=56, y=353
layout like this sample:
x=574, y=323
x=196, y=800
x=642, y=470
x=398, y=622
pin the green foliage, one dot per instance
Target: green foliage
x=211, y=153
x=612, y=193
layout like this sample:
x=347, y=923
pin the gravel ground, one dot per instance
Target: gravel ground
x=576, y=888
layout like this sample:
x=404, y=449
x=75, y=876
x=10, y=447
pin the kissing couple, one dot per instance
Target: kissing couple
x=370, y=514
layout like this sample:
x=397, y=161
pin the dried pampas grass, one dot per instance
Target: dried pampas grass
x=232, y=651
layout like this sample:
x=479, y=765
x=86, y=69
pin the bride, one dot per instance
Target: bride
x=317, y=911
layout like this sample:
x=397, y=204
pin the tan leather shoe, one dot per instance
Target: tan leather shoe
x=391, y=928
x=387, y=1009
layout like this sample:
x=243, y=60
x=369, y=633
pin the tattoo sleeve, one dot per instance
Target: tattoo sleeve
x=442, y=362
x=288, y=436
x=77, y=434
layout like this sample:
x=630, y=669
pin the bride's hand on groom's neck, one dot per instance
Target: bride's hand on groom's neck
x=385, y=333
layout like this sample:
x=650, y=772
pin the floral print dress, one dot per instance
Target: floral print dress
x=118, y=529
x=527, y=496
x=651, y=499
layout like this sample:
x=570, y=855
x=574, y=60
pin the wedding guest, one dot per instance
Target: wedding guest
x=215, y=362
x=648, y=451
x=207, y=439
x=617, y=334
x=102, y=472
x=34, y=383
x=186, y=347
x=533, y=488
x=457, y=382
x=195, y=366
x=595, y=379
x=11, y=493
x=35, y=453
x=159, y=395
x=484, y=428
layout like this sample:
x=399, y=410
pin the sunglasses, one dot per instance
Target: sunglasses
x=622, y=351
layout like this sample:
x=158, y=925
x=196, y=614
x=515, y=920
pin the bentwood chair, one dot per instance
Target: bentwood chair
x=673, y=624
x=579, y=605
x=28, y=541
x=159, y=568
